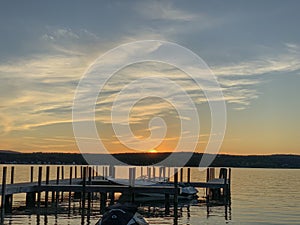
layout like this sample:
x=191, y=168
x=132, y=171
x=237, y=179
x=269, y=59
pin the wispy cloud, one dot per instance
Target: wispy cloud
x=286, y=61
x=41, y=90
x=240, y=81
x=163, y=10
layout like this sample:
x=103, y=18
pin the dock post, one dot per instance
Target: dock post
x=89, y=193
x=75, y=170
x=176, y=196
x=189, y=175
x=70, y=183
x=225, y=189
x=112, y=173
x=103, y=171
x=57, y=182
x=229, y=187
x=3, y=194
x=181, y=175
x=132, y=173
x=211, y=193
x=52, y=197
x=159, y=173
x=39, y=187
x=164, y=173
x=97, y=170
x=142, y=172
x=30, y=196
x=207, y=189
x=149, y=173
x=9, y=198
x=83, y=190
x=167, y=204
x=84, y=173
x=31, y=174
x=93, y=172
x=106, y=172
x=62, y=177
x=112, y=197
x=47, y=182
x=103, y=198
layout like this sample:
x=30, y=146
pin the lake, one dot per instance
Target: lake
x=258, y=196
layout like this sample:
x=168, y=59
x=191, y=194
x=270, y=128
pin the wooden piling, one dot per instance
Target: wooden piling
x=181, y=175
x=62, y=177
x=83, y=190
x=229, y=183
x=47, y=182
x=112, y=197
x=84, y=174
x=103, y=198
x=106, y=172
x=189, y=175
x=31, y=174
x=207, y=189
x=169, y=174
x=75, y=170
x=31, y=196
x=132, y=173
x=112, y=171
x=159, y=173
x=176, y=196
x=225, y=189
x=142, y=172
x=89, y=193
x=9, y=198
x=93, y=172
x=4, y=173
x=70, y=183
x=40, y=173
x=167, y=204
x=12, y=173
x=164, y=173
x=149, y=173
x=57, y=182
x=97, y=170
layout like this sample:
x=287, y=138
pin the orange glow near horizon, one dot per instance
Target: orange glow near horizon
x=152, y=151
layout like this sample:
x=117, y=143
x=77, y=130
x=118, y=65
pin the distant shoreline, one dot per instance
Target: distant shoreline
x=144, y=159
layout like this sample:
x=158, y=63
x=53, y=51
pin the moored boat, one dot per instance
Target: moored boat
x=187, y=191
x=122, y=214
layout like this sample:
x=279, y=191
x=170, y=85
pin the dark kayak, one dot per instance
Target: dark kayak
x=122, y=214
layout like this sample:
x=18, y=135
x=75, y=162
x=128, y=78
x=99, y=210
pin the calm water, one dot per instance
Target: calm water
x=259, y=196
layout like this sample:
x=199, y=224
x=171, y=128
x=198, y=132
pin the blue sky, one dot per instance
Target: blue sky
x=253, y=48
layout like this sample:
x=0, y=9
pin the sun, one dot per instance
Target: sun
x=152, y=151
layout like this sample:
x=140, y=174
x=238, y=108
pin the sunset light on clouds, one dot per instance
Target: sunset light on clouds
x=45, y=50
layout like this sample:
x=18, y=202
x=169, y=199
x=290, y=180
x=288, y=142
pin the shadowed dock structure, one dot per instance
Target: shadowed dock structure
x=89, y=182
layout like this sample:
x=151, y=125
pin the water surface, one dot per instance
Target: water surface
x=259, y=196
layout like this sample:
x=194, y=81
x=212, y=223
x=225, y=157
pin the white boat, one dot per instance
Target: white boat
x=187, y=191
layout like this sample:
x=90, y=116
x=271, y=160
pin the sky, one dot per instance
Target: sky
x=252, y=47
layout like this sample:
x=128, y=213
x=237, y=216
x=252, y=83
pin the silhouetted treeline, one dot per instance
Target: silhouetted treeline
x=255, y=161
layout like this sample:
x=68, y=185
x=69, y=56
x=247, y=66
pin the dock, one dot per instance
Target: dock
x=45, y=193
